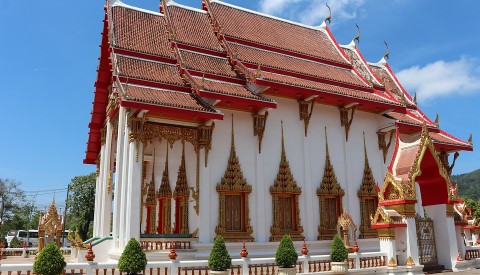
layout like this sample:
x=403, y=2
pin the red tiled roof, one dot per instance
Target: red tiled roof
x=261, y=29
x=148, y=70
x=230, y=89
x=193, y=28
x=293, y=64
x=406, y=159
x=139, y=31
x=360, y=65
x=207, y=64
x=404, y=118
x=443, y=138
x=163, y=97
x=294, y=81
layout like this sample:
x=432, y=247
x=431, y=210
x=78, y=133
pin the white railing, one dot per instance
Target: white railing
x=244, y=266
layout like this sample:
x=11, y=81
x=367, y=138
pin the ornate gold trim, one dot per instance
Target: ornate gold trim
x=103, y=136
x=344, y=120
x=259, y=123
x=382, y=144
x=233, y=183
x=392, y=262
x=393, y=190
x=181, y=195
x=305, y=113
x=367, y=191
x=205, y=139
x=329, y=188
x=285, y=186
x=164, y=198
x=344, y=225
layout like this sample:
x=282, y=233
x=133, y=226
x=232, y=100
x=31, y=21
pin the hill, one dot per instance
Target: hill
x=468, y=184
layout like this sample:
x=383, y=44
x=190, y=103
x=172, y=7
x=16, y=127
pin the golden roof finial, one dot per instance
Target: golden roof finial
x=470, y=139
x=329, y=17
x=415, y=98
x=437, y=120
x=357, y=38
x=387, y=52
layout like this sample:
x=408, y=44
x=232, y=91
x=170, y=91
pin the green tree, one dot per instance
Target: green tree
x=81, y=204
x=339, y=252
x=49, y=261
x=133, y=260
x=286, y=256
x=219, y=259
x=11, y=197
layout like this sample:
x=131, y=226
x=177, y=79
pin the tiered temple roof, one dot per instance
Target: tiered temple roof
x=187, y=64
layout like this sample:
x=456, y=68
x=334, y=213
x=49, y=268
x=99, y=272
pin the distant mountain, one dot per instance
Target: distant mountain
x=468, y=184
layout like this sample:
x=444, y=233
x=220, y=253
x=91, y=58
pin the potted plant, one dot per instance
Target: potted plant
x=286, y=256
x=15, y=243
x=339, y=255
x=49, y=261
x=219, y=260
x=133, y=260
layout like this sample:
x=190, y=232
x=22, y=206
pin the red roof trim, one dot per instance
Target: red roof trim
x=144, y=56
x=176, y=112
x=141, y=82
x=182, y=46
x=241, y=100
x=393, y=225
x=217, y=77
x=286, y=52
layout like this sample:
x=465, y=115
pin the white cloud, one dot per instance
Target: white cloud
x=311, y=12
x=442, y=78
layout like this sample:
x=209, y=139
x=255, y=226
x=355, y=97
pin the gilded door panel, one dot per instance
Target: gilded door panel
x=426, y=241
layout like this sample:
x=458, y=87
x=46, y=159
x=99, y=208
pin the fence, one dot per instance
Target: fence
x=12, y=252
x=244, y=266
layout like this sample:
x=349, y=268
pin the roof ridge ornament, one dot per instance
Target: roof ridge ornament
x=387, y=52
x=470, y=139
x=357, y=38
x=415, y=98
x=437, y=120
x=329, y=17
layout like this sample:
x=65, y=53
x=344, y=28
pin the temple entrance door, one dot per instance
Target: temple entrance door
x=426, y=241
x=285, y=213
x=233, y=213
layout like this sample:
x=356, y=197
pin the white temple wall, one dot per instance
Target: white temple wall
x=300, y=150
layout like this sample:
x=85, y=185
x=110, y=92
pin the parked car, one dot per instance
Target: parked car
x=24, y=235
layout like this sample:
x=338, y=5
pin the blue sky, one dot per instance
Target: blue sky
x=49, y=51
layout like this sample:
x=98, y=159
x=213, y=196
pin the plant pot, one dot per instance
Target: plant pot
x=226, y=272
x=339, y=267
x=287, y=271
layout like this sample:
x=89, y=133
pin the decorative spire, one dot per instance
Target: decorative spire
x=164, y=190
x=329, y=17
x=415, y=98
x=285, y=181
x=233, y=178
x=368, y=187
x=437, y=120
x=181, y=188
x=470, y=139
x=329, y=185
x=151, y=186
x=387, y=52
x=357, y=38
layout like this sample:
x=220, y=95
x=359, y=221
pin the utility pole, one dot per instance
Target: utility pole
x=65, y=215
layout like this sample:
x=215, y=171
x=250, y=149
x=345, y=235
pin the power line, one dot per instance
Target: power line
x=49, y=190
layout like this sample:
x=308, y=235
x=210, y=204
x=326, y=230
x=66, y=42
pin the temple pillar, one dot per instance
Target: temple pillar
x=124, y=197
x=106, y=181
x=468, y=237
x=411, y=239
x=446, y=241
x=99, y=188
x=260, y=227
x=118, y=178
x=459, y=233
x=96, y=211
x=133, y=203
x=387, y=245
x=204, y=229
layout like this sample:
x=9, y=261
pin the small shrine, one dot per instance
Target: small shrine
x=50, y=227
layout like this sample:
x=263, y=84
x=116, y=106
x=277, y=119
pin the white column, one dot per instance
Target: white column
x=387, y=245
x=124, y=198
x=307, y=194
x=460, y=241
x=468, y=237
x=204, y=202
x=99, y=194
x=446, y=242
x=118, y=178
x=96, y=216
x=412, y=247
x=106, y=196
x=260, y=226
x=132, y=219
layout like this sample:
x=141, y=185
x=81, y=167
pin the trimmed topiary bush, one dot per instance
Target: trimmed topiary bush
x=339, y=252
x=133, y=260
x=15, y=243
x=286, y=256
x=49, y=261
x=219, y=259
x=4, y=241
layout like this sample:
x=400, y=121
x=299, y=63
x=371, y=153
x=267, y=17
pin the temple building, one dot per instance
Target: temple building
x=223, y=120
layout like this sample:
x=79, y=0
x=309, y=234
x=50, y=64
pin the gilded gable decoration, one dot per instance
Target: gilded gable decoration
x=368, y=198
x=50, y=224
x=382, y=144
x=347, y=230
x=330, y=195
x=344, y=120
x=151, y=202
x=181, y=195
x=164, y=197
x=259, y=123
x=233, y=190
x=385, y=221
x=305, y=108
x=285, y=193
